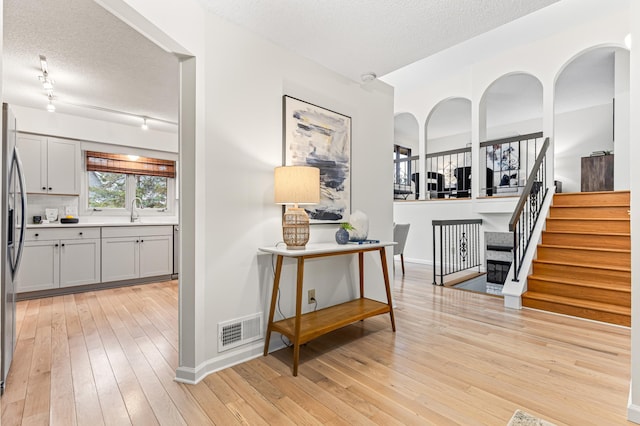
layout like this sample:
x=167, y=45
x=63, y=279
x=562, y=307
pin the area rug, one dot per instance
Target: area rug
x=520, y=418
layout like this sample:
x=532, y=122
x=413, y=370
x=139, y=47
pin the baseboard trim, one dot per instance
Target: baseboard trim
x=193, y=376
x=633, y=413
x=633, y=410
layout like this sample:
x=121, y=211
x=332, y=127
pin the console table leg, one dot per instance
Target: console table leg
x=385, y=274
x=274, y=298
x=361, y=269
x=296, y=338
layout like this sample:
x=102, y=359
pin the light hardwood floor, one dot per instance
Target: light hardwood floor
x=109, y=357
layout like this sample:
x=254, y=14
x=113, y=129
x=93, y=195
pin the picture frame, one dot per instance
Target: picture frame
x=319, y=137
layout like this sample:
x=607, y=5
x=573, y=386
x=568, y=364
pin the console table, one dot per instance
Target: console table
x=305, y=327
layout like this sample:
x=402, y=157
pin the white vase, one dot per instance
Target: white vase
x=360, y=223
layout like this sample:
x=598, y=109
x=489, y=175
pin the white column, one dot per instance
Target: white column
x=633, y=412
x=621, y=142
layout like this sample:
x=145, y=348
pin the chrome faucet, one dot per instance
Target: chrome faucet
x=135, y=216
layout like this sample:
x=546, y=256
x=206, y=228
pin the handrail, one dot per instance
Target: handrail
x=526, y=213
x=510, y=139
x=527, y=188
x=449, y=152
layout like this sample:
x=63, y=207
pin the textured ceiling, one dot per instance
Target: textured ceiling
x=358, y=36
x=94, y=58
x=97, y=60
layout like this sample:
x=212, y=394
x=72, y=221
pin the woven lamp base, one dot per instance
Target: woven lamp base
x=295, y=228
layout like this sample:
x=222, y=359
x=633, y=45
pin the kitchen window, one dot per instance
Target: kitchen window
x=115, y=180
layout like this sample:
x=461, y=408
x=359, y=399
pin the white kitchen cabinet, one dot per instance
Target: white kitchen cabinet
x=79, y=262
x=51, y=165
x=120, y=258
x=136, y=252
x=156, y=255
x=40, y=266
x=58, y=258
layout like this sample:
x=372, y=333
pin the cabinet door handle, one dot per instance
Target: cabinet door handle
x=55, y=245
x=142, y=241
x=137, y=241
x=37, y=235
x=62, y=245
x=50, y=188
x=80, y=233
x=44, y=188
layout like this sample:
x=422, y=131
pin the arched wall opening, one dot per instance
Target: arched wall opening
x=406, y=151
x=511, y=111
x=591, y=118
x=448, y=149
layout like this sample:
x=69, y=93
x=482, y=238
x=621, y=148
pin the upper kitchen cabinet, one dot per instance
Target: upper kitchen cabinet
x=51, y=165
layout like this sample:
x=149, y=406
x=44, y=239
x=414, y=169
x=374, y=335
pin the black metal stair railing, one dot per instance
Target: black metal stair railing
x=456, y=247
x=527, y=211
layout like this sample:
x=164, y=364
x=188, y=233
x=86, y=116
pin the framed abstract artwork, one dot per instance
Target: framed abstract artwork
x=318, y=137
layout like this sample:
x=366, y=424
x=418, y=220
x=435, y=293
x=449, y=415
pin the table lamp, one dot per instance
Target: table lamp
x=296, y=185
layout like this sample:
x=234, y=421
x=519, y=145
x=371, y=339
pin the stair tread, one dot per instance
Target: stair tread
x=590, y=206
x=578, y=283
x=605, y=219
x=580, y=303
x=608, y=234
x=565, y=194
x=584, y=265
x=610, y=250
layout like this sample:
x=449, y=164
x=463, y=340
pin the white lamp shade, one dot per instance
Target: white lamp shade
x=296, y=185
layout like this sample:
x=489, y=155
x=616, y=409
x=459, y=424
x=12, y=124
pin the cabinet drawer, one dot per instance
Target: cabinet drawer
x=136, y=231
x=61, y=234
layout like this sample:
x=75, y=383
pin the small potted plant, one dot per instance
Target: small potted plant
x=342, y=235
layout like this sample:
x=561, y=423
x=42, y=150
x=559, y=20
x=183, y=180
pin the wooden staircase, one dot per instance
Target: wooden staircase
x=583, y=266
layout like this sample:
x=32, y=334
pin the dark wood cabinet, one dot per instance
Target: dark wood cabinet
x=597, y=173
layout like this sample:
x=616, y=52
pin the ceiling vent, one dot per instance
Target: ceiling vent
x=234, y=333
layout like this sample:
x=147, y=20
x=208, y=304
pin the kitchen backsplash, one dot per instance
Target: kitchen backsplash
x=36, y=204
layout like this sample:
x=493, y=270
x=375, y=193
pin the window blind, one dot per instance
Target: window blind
x=120, y=163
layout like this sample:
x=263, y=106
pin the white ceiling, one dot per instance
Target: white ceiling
x=94, y=58
x=359, y=36
x=97, y=60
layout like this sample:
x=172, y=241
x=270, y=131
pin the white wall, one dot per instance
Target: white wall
x=244, y=144
x=406, y=132
x=88, y=129
x=622, y=142
x=578, y=134
x=420, y=214
x=634, y=398
x=446, y=143
x=240, y=80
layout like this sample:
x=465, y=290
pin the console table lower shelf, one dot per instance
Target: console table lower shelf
x=302, y=328
x=322, y=321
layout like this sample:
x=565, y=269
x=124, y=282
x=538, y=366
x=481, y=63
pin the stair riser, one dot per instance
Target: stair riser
x=586, y=274
x=578, y=312
x=591, y=198
x=622, y=226
x=622, y=242
x=579, y=256
x=590, y=212
x=613, y=297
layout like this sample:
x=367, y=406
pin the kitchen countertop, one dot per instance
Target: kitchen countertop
x=97, y=225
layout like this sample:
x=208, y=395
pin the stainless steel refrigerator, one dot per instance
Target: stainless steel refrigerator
x=14, y=203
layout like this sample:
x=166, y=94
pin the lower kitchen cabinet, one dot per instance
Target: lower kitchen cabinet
x=136, y=252
x=57, y=258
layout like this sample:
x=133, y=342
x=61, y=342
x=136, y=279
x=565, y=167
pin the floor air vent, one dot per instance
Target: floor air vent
x=237, y=332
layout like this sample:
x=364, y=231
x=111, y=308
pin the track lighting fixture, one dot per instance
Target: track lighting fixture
x=45, y=79
x=50, y=106
x=47, y=83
